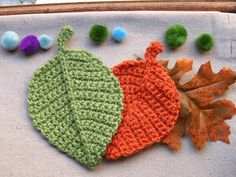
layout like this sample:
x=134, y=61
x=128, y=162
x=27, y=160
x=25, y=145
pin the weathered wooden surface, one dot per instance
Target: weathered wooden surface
x=120, y=6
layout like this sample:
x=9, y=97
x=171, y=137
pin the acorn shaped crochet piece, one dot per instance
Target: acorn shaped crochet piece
x=75, y=101
x=151, y=104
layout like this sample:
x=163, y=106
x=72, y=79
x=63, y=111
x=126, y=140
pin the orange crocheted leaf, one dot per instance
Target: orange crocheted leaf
x=151, y=104
x=201, y=117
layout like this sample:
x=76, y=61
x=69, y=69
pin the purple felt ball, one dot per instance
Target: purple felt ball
x=29, y=45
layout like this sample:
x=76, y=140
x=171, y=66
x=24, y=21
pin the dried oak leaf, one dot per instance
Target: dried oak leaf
x=201, y=116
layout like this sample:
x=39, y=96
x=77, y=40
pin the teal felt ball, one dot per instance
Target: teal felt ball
x=118, y=34
x=205, y=42
x=176, y=35
x=98, y=33
x=10, y=40
x=45, y=41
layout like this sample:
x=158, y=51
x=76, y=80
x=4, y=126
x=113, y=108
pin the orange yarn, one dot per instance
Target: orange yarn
x=151, y=104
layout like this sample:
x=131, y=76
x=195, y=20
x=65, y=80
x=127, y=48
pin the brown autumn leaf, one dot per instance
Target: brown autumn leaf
x=202, y=117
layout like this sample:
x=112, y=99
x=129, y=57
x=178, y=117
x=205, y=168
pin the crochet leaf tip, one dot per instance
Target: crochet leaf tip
x=68, y=28
x=153, y=50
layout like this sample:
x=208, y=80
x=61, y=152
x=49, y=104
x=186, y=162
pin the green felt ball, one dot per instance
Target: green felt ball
x=205, y=42
x=176, y=35
x=98, y=33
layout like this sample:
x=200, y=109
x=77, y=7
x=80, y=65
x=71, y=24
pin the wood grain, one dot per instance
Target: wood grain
x=119, y=6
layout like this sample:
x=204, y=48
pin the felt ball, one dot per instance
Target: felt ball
x=29, y=45
x=118, y=34
x=45, y=41
x=10, y=40
x=176, y=35
x=205, y=42
x=98, y=33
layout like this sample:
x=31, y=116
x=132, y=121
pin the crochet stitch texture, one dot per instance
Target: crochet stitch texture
x=151, y=104
x=75, y=101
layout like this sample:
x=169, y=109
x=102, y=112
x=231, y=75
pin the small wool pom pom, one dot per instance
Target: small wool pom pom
x=29, y=45
x=10, y=40
x=205, y=42
x=118, y=34
x=98, y=33
x=176, y=35
x=45, y=41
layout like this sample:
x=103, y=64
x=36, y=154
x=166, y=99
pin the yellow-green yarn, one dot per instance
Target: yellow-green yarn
x=75, y=101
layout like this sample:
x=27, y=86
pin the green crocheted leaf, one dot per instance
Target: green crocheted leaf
x=75, y=101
